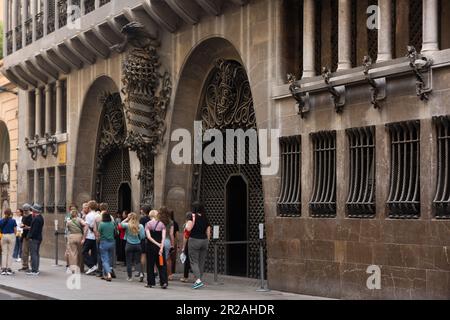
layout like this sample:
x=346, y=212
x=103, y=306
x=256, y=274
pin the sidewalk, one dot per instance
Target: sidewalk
x=52, y=283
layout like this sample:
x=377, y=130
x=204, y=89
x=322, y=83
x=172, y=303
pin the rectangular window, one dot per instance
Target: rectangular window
x=51, y=16
x=62, y=189
x=30, y=186
x=50, y=201
x=31, y=114
x=62, y=10
x=442, y=198
x=41, y=187
x=404, y=195
x=42, y=115
x=416, y=24
x=361, y=196
x=290, y=193
x=323, y=201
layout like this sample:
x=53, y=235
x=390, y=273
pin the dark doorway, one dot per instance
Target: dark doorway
x=125, y=197
x=236, y=204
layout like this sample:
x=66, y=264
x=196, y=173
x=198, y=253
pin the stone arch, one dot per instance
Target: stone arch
x=86, y=143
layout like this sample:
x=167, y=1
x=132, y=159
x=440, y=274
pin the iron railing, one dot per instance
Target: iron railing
x=323, y=201
x=18, y=31
x=28, y=31
x=404, y=195
x=289, y=198
x=441, y=200
x=51, y=17
x=62, y=13
x=39, y=25
x=361, y=196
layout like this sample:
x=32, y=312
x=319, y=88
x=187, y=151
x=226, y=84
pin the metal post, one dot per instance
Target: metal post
x=261, y=267
x=56, y=249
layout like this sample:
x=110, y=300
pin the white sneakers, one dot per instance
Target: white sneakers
x=31, y=273
x=92, y=270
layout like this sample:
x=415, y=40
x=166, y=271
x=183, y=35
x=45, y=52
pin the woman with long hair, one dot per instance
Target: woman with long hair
x=75, y=229
x=106, y=230
x=155, y=231
x=199, y=234
x=8, y=227
x=164, y=214
x=133, y=235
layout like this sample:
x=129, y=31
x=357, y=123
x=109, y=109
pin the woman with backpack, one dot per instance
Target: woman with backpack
x=8, y=228
x=75, y=229
x=199, y=231
x=133, y=235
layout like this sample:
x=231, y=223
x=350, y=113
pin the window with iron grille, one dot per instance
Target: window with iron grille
x=89, y=6
x=41, y=187
x=30, y=186
x=290, y=192
x=62, y=189
x=404, y=195
x=103, y=2
x=18, y=30
x=51, y=16
x=323, y=200
x=372, y=36
x=361, y=196
x=334, y=35
x=442, y=198
x=39, y=25
x=415, y=23
x=62, y=13
x=317, y=37
x=9, y=42
x=29, y=31
x=50, y=201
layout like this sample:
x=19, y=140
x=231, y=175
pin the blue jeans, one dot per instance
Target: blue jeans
x=106, y=252
x=35, y=257
x=18, y=248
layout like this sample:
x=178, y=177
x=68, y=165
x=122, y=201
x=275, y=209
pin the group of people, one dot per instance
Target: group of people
x=150, y=242
x=21, y=238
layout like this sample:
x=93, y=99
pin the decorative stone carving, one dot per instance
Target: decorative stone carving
x=301, y=98
x=228, y=98
x=146, y=98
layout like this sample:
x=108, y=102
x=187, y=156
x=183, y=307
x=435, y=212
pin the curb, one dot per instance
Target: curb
x=25, y=293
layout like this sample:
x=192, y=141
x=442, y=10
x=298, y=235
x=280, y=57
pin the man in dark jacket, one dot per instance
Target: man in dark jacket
x=35, y=236
x=26, y=224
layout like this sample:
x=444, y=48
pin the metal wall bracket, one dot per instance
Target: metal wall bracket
x=52, y=142
x=337, y=93
x=421, y=65
x=378, y=86
x=301, y=98
x=32, y=146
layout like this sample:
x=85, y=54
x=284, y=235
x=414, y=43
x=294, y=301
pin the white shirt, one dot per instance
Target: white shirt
x=90, y=220
x=19, y=223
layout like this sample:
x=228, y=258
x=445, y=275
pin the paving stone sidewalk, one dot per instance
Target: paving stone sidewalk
x=53, y=283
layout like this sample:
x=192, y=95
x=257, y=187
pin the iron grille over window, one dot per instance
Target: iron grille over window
x=89, y=6
x=29, y=31
x=289, y=199
x=372, y=37
x=51, y=16
x=317, y=37
x=41, y=186
x=404, y=194
x=9, y=42
x=62, y=12
x=334, y=35
x=50, y=203
x=62, y=190
x=442, y=199
x=360, y=202
x=18, y=37
x=39, y=25
x=415, y=23
x=31, y=186
x=323, y=201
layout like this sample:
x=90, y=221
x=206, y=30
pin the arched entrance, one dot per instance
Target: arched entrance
x=232, y=192
x=113, y=173
x=4, y=166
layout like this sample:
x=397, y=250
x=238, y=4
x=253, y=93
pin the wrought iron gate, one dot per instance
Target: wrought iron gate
x=228, y=104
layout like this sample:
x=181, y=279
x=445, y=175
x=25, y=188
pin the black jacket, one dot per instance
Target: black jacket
x=37, y=225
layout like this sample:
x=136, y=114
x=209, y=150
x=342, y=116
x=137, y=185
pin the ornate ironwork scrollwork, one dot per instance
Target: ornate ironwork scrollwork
x=228, y=98
x=337, y=93
x=378, y=86
x=147, y=95
x=32, y=146
x=420, y=65
x=302, y=99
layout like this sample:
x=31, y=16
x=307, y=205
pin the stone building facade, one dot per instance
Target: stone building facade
x=9, y=138
x=364, y=177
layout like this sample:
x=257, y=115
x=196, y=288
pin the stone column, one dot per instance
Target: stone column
x=38, y=113
x=14, y=22
x=5, y=27
x=345, y=33
x=308, y=38
x=59, y=104
x=384, y=31
x=48, y=109
x=97, y=4
x=430, y=26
